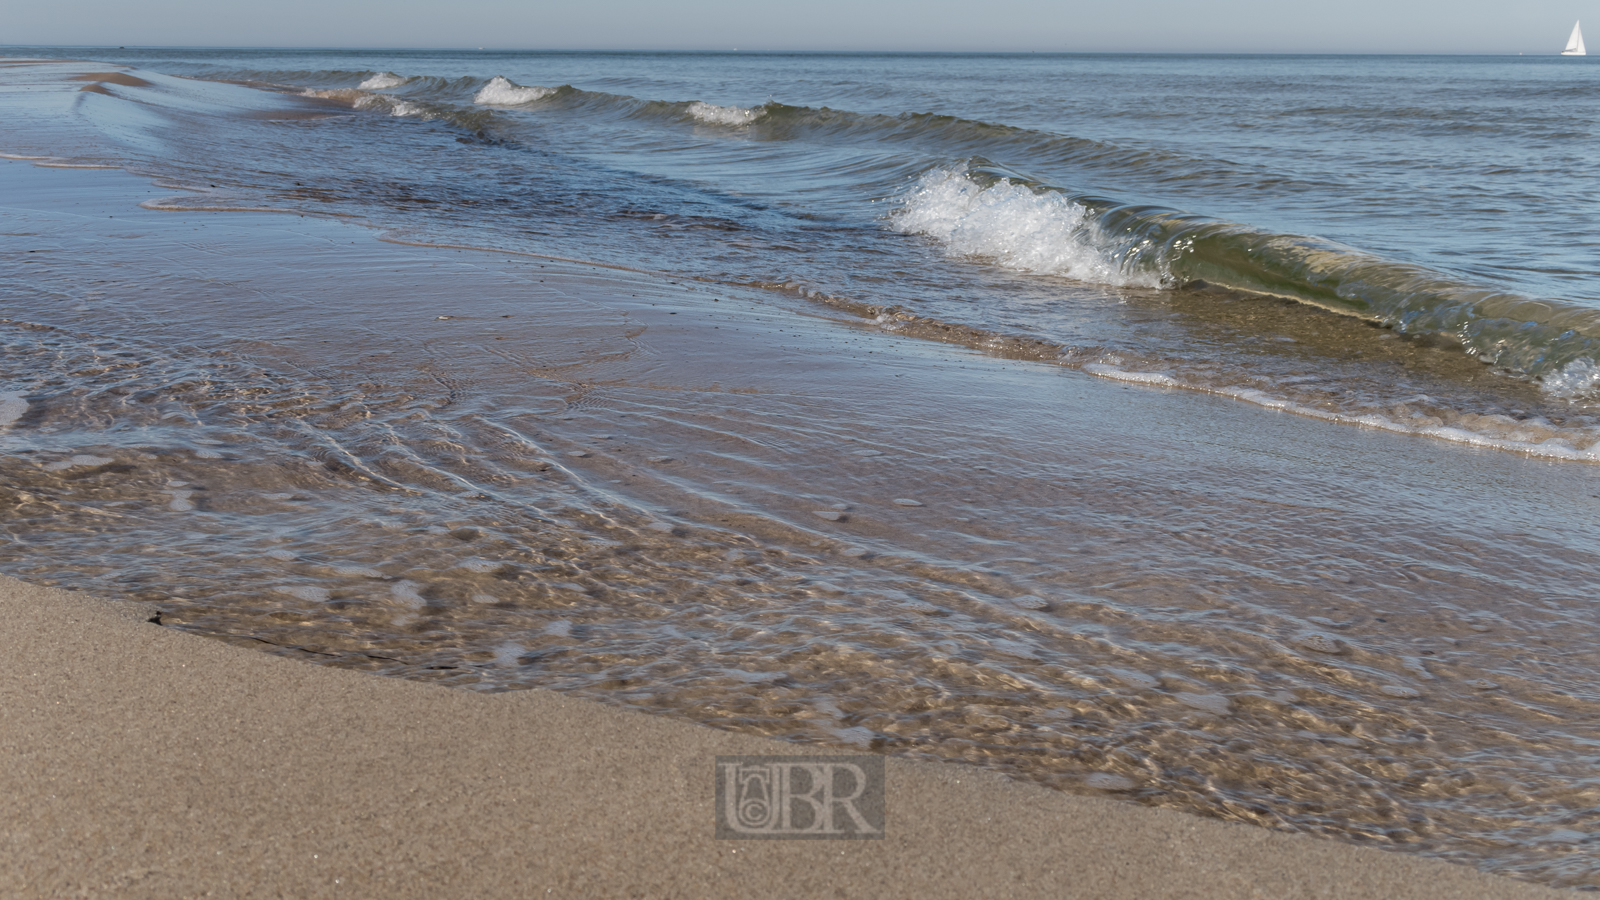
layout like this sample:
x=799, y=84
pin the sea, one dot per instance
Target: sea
x=1393, y=252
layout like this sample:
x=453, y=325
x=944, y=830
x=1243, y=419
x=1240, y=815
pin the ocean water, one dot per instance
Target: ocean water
x=1402, y=247
x=1128, y=212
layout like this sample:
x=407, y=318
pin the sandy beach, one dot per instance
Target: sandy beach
x=149, y=762
x=142, y=762
x=492, y=475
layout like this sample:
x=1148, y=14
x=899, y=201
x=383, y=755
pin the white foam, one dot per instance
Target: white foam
x=723, y=115
x=1116, y=374
x=343, y=95
x=383, y=80
x=1012, y=226
x=364, y=100
x=12, y=406
x=1577, y=380
x=1578, y=444
x=501, y=91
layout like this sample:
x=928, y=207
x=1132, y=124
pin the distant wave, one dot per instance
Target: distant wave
x=501, y=91
x=382, y=81
x=723, y=115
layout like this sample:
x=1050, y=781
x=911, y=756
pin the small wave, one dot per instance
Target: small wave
x=1042, y=232
x=1534, y=438
x=984, y=212
x=407, y=108
x=360, y=99
x=364, y=100
x=1577, y=380
x=341, y=95
x=1116, y=374
x=723, y=115
x=502, y=91
x=383, y=80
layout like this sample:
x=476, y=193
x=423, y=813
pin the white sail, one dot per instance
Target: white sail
x=1575, y=43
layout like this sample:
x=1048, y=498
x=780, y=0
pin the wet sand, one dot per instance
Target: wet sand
x=143, y=762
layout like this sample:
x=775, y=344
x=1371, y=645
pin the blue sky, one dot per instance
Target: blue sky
x=1374, y=26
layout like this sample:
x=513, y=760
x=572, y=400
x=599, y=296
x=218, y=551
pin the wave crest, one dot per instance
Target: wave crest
x=502, y=91
x=383, y=80
x=984, y=212
x=1043, y=232
x=723, y=115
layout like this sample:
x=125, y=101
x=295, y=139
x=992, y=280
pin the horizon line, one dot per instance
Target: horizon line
x=769, y=51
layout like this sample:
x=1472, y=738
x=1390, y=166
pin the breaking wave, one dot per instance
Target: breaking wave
x=383, y=80
x=984, y=212
x=723, y=115
x=501, y=91
x=1043, y=232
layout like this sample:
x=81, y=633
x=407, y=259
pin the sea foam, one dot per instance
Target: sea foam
x=1577, y=380
x=383, y=80
x=1008, y=224
x=407, y=108
x=723, y=115
x=502, y=91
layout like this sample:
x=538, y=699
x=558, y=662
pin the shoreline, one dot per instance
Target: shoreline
x=149, y=763
x=801, y=364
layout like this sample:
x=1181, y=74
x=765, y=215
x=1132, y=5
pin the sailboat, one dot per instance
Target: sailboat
x=1575, y=43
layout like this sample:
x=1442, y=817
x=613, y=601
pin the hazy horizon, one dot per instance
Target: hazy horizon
x=891, y=26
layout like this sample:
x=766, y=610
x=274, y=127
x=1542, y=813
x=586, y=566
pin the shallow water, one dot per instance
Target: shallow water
x=766, y=513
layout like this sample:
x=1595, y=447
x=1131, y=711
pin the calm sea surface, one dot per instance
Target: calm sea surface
x=1406, y=244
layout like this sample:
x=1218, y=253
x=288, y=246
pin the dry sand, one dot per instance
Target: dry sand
x=144, y=762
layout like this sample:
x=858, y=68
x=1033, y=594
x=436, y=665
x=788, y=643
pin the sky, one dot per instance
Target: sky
x=1261, y=26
